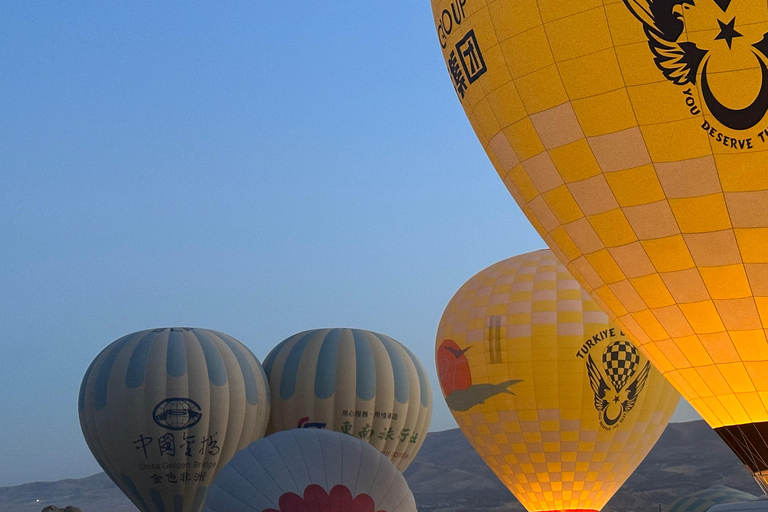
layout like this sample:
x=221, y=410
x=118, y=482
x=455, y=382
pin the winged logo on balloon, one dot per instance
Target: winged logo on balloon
x=681, y=61
x=620, y=362
x=456, y=379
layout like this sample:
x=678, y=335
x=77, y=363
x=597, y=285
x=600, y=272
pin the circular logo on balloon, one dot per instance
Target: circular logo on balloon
x=177, y=413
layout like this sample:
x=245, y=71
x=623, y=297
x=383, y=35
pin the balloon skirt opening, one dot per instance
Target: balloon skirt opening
x=570, y=510
x=750, y=443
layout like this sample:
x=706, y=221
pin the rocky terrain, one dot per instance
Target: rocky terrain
x=447, y=476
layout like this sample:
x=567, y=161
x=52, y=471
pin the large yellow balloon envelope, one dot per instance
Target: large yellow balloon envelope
x=554, y=397
x=353, y=381
x=633, y=135
x=163, y=410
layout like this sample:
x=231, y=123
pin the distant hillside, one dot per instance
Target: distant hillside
x=95, y=493
x=447, y=475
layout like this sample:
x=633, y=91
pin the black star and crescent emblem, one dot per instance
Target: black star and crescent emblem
x=611, y=415
x=680, y=61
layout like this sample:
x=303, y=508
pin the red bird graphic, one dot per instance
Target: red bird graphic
x=456, y=379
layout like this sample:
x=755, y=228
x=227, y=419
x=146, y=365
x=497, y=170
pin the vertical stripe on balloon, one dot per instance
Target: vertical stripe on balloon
x=270, y=359
x=423, y=382
x=217, y=372
x=133, y=492
x=325, y=373
x=251, y=387
x=365, y=379
x=81, y=395
x=102, y=378
x=176, y=357
x=402, y=388
x=200, y=494
x=291, y=367
x=157, y=499
x=178, y=503
x=138, y=363
x=265, y=381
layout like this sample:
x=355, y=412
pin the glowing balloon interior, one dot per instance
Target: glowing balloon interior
x=554, y=397
x=352, y=381
x=163, y=410
x=633, y=135
x=310, y=470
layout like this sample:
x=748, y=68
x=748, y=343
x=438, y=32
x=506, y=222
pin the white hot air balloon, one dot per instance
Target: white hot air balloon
x=310, y=470
x=353, y=381
x=163, y=410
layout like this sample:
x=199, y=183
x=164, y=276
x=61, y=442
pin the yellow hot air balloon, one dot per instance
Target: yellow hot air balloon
x=353, y=381
x=633, y=135
x=163, y=410
x=554, y=397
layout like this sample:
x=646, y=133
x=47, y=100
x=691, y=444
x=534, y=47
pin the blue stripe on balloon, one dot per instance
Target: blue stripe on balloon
x=178, y=503
x=176, y=356
x=265, y=380
x=217, y=372
x=133, y=492
x=423, y=382
x=81, y=396
x=325, y=372
x=199, y=498
x=102, y=377
x=270, y=360
x=365, y=366
x=291, y=366
x=157, y=499
x=402, y=388
x=251, y=386
x=137, y=366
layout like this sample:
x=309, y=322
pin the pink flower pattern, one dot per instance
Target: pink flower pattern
x=317, y=500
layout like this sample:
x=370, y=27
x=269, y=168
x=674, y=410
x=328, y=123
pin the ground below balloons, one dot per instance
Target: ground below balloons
x=448, y=476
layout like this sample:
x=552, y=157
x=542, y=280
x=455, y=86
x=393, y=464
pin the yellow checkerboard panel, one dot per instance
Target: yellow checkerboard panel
x=635, y=140
x=513, y=348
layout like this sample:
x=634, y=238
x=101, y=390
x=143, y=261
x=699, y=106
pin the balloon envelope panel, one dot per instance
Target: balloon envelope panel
x=633, y=136
x=309, y=469
x=352, y=381
x=162, y=410
x=560, y=404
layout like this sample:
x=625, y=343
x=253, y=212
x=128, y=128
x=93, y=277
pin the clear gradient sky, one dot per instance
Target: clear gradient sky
x=258, y=168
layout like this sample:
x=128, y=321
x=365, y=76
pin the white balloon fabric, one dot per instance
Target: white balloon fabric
x=163, y=410
x=310, y=470
x=355, y=382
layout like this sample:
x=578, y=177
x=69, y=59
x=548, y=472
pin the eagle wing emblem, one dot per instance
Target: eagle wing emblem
x=634, y=389
x=598, y=384
x=663, y=24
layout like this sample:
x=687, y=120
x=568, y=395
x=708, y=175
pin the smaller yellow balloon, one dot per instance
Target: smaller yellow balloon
x=555, y=398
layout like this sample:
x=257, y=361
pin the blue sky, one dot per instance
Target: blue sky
x=256, y=168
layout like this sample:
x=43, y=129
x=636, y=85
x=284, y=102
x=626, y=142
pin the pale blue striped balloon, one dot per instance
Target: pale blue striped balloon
x=347, y=379
x=162, y=410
